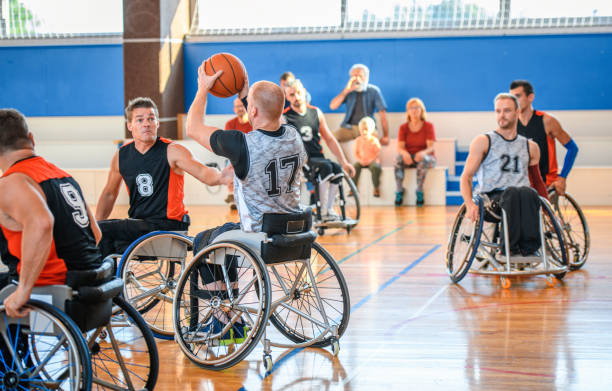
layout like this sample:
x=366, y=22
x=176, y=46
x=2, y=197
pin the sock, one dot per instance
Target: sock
x=323, y=192
x=333, y=190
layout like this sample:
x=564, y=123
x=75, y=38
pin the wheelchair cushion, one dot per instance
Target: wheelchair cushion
x=78, y=278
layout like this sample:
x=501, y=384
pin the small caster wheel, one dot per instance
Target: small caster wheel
x=335, y=347
x=550, y=281
x=321, y=231
x=267, y=359
x=348, y=229
x=505, y=282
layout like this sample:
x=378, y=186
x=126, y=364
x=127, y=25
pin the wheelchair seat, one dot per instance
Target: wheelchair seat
x=284, y=237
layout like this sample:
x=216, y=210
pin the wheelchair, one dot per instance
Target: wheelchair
x=150, y=268
x=346, y=204
x=82, y=335
x=478, y=245
x=280, y=275
x=574, y=226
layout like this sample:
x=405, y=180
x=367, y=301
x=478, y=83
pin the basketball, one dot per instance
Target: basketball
x=232, y=79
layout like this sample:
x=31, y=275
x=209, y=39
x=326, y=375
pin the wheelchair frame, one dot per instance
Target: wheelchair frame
x=293, y=280
x=552, y=260
x=346, y=222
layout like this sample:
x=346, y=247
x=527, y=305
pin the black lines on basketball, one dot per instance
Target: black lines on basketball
x=229, y=92
x=233, y=72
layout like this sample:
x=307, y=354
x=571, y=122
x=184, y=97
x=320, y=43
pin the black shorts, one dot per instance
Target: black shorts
x=325, y=169
x=118, y=234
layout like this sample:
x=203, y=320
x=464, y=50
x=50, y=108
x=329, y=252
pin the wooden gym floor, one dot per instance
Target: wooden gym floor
x=411, y=328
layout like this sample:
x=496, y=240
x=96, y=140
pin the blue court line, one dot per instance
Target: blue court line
x=367, y=298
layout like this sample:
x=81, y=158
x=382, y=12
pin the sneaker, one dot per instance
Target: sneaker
x=331, y=216
x=419, y=198
x=399, y=197
x=376, y=192
x=236, y=334
x=229, y=199
x=233, y=206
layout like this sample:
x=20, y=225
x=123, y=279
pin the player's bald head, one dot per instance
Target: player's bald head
x=268, y=98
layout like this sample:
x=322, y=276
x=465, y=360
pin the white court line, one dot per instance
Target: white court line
x=415, y=315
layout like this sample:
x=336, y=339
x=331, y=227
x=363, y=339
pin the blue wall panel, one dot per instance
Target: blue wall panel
x=62, y=80
x=569, y=72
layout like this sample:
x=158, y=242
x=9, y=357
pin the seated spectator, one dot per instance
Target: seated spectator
x=239, y=122
x=367, y=148
x=362, y=99
x=415, y=147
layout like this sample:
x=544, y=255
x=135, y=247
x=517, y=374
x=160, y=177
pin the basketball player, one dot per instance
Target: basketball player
x=266, y=162
x=45, y=220
x=310, y=122
x=152, y=169
x=505, y=163
x=544, y=129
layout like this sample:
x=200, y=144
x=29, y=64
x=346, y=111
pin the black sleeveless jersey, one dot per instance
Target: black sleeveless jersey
x=308, y=127
x=534, y=130
x=74, y=245
x=156, y=192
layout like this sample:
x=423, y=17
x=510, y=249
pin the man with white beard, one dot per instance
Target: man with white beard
x=362, y=99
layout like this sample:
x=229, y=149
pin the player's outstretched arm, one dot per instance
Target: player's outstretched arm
x=553, y=128
x=333, y=145
x=24, y=209
x=196, y=126
x=107, y=198
x=181, y=158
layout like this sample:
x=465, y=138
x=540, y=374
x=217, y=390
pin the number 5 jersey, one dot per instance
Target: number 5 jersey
x=74, y=245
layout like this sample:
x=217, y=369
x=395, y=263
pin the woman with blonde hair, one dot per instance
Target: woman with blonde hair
x=415, y=147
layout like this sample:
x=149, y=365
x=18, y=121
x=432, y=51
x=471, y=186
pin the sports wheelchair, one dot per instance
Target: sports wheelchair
x=574, y=226
x=280, y=275
x=150, y=268
x=479, y=244
x=346, y=204
x=99, y=342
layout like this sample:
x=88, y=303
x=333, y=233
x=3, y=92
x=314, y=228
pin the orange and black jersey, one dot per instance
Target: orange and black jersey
x=534, y=130
x=156, y=191
x=74, y=244
x=308, y=126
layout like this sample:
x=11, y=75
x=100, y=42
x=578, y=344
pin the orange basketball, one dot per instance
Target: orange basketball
x=232, y=80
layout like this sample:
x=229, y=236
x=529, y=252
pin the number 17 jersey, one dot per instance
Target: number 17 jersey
x=272, y=182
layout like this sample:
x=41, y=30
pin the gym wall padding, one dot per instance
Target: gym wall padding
x=569, y=72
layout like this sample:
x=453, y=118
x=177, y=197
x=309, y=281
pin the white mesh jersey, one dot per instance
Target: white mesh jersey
x=272, y=183
x=505, y=165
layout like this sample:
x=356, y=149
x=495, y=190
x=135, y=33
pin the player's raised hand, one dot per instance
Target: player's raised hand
x=205, y=82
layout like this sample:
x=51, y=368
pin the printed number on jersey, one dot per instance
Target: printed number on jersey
x=74, y=199
x=145, y=184
x=510, y=164
x=286, y=165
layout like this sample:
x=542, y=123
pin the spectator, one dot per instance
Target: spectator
x=367, y=148
x=362, y=100
x=415, y=147
x=239, y=122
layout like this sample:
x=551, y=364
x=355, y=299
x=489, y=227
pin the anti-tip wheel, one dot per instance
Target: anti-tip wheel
x=505, y=282
x=267, y=360
x=335, y=347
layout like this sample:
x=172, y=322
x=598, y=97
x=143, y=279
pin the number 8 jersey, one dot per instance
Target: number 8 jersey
x=505, y=164
x=74, y=245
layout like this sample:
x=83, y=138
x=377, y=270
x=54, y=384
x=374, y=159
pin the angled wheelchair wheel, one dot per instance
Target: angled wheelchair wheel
x=575, y=228
x=554, y=239
x=43, y=351
x=316, y=302
x=463, y=243
x=123, y=352
x=150, y=268
x=221, y=305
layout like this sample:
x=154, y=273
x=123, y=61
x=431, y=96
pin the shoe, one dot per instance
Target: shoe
x=229, y=199
x=376, y=192
x=236, y=334
x=399, y=197
x=331, y=216
x=233, y=206
x=419, y=198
